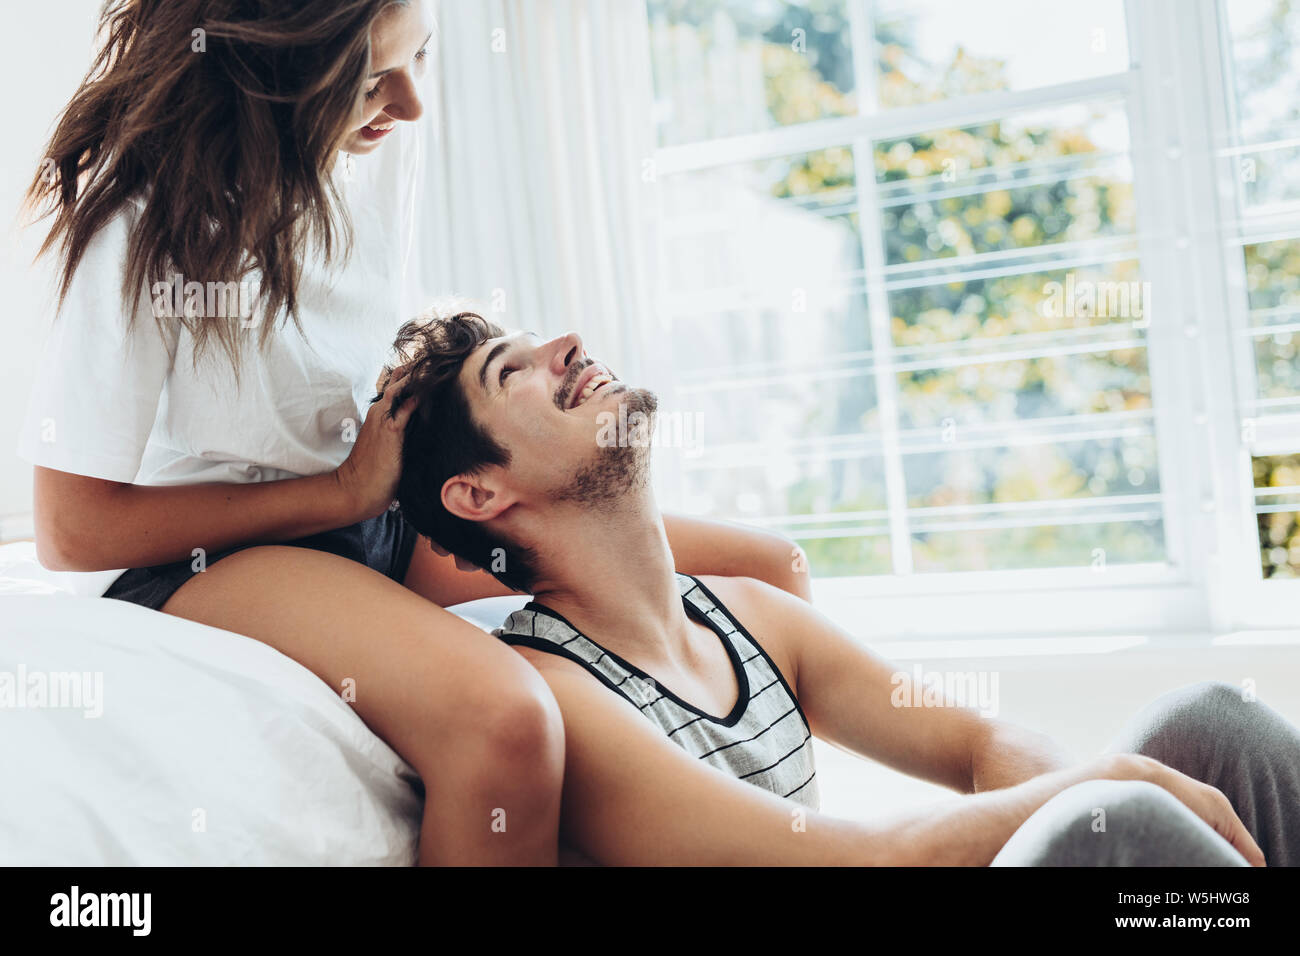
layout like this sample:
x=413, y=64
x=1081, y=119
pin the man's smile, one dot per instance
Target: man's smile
x=590, y=380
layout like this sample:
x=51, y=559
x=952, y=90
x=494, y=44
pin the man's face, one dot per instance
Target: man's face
x=551, y=406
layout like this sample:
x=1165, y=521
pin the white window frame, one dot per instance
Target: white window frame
x=1176, y=100
x=1243, y=599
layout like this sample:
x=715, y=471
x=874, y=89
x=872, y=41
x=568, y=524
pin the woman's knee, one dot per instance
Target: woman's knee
x=522, y=725
x=510, y=730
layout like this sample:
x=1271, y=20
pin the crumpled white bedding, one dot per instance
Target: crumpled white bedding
x=210, y=748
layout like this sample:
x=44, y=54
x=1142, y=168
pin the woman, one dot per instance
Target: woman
x=182, y=430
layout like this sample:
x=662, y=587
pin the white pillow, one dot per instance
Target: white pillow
x=211, y=748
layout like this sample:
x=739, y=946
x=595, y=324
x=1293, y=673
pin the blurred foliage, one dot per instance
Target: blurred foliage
x=904, y=79
x=1267, y=86
x=1263, y=58
x=714, y=41
x=1012, y=217
x=1273, y=283
x=1279, y=531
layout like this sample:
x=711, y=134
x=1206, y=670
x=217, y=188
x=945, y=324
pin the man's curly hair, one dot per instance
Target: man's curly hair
x=443, y=440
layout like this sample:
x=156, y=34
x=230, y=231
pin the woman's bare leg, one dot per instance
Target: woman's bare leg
x=469, y=714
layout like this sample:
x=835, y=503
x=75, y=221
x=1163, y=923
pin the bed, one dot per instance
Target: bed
x=160, y=741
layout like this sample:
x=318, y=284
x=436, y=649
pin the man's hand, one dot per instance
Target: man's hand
x=1205, y=801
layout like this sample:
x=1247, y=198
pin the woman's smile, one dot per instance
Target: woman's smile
x=374, y=132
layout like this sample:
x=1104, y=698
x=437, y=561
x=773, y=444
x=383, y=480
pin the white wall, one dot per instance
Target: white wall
x=44, y=51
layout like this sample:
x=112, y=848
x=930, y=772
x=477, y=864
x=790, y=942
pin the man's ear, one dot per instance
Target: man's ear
x=474, y=497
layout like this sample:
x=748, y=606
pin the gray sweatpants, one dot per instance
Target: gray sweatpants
x=1207, y=731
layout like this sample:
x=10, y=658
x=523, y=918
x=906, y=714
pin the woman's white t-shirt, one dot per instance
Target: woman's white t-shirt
x=130, y=406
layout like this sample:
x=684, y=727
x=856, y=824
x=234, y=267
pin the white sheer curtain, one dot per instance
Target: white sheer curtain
x=538, y=199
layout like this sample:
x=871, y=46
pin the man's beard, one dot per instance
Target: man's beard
x=621, y=467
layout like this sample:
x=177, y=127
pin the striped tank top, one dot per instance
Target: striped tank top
x=765, y=739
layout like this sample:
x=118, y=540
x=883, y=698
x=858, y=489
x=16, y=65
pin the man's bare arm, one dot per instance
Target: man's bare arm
x=632, y=797
x=705, y=546
x=699, y=546
x=846, y=685
x=851, y=695
x=1007, y=754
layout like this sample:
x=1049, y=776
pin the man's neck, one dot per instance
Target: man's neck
x=613, y=577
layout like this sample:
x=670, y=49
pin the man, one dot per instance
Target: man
x=688, y=703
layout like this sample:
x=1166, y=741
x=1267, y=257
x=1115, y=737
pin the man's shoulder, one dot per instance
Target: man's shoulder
x=582, y=695
x=743, y=597
x=772, y=618
x=551, y=664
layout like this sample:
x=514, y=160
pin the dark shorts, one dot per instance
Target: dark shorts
x=385, y=543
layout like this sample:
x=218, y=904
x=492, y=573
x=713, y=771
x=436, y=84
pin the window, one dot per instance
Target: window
x=1262, y=38
x=924, y=272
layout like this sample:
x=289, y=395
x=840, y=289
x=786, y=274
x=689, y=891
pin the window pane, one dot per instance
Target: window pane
x=1264, y=36
x=1035, y=472
x=929, y=50
x=772, y=409
x=1273, y=296
x=1276, y=368
x=1017, y=183
x=834, y=508
x=1074, y=341
x=781, y=233
x=1055, y=546
x=1068, y=504
x=1020, y=391
x=725, y=67
x=1052, y=386
x=771, y=347
x=1277, y=507
x=984, y=313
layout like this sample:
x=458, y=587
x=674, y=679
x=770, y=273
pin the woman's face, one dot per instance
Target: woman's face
x=398, y=48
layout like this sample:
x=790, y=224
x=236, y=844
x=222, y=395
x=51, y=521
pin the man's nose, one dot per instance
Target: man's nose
x=566, y=349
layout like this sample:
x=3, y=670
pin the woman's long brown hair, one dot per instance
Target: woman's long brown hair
x=222, y=117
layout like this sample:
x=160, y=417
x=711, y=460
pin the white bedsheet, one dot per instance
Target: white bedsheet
x=211, y=748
